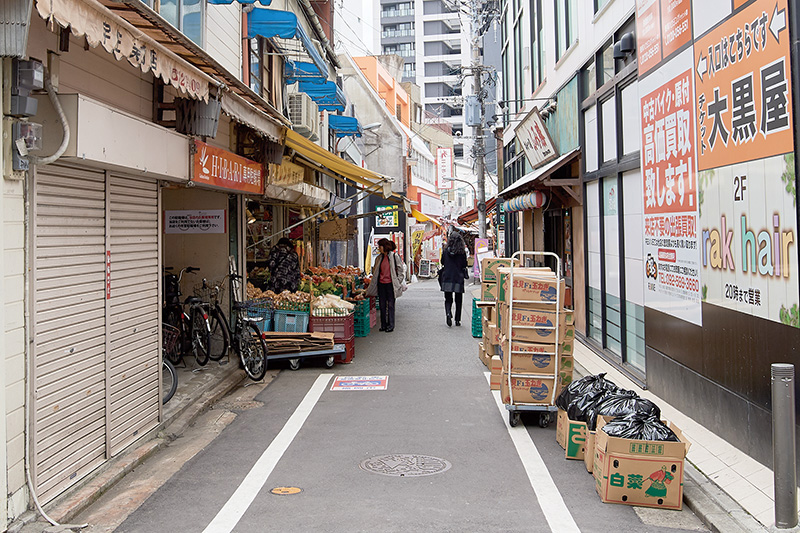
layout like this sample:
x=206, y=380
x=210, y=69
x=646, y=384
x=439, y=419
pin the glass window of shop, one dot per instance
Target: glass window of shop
x=613, y=192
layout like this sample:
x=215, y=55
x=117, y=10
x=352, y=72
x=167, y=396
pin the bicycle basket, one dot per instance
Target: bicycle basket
x=212, y=293
x=169, y=338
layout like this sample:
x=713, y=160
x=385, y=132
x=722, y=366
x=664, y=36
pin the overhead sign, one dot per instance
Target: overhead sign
x=532, y=134
x=221, y=168
x=444, y=168
x=430, y=205
x=744, y=97
x=387, y=217
x=195, y=221
x=360, y=383
x=124, y=41
x=287, y=173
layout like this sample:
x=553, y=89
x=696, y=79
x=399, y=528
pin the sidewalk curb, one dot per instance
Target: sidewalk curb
x=66, y=508
x=712, y=505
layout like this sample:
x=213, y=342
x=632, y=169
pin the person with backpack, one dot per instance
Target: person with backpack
x=284, y=267
x=388, y=282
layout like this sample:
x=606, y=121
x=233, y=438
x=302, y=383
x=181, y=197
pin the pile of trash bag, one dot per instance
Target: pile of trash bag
x=640, y=426
x=635, y=418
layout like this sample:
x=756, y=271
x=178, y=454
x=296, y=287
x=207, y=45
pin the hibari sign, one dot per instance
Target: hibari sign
x=220, y=168
x=444, y=168
x=532, y=134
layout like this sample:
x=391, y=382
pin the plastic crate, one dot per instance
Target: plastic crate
x=261, y=309
x=342, y=327
x=362, y=329
x=350, y=345
x=293, y=306
x=477, y=320
x=372, y=302
x=290, y=321
x=373, y=317
x=362, y=309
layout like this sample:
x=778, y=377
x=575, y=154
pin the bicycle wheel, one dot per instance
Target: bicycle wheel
x=169, y=381
x=220, y=336
x=253, y=353
x=201, y=336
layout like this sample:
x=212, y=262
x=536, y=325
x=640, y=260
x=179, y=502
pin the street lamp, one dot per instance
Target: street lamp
x=474, y=191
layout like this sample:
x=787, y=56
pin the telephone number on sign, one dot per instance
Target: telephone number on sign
x=680, y=282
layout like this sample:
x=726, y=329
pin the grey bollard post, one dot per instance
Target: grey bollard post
x=783, y=445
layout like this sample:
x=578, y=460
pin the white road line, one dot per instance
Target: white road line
x=550, y=500
x=240, y=501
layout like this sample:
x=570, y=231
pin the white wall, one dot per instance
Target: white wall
x=224, y=36
x=3, y=471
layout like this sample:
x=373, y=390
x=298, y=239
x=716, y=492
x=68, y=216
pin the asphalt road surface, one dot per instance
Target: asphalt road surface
x=319, y=448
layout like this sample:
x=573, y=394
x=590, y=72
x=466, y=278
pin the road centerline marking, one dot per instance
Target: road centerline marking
x=251, y=485
x=551, y=502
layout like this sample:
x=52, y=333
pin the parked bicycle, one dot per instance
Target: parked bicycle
x=169, y=376
x=211, y=293
x=192, y=324
x=246, y=339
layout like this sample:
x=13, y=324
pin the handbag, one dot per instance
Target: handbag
x=466, y=272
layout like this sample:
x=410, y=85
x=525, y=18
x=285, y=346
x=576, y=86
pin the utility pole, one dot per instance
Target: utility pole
x=478, y=146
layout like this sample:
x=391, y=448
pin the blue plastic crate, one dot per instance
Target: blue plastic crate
x=291, y=321
x=262, y=310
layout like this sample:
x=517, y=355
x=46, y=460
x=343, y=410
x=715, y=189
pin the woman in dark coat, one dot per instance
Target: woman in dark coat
x=452, y=274
x=284, y=267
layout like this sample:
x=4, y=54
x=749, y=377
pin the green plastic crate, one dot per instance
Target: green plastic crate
x=362, y=329
x=477, y=320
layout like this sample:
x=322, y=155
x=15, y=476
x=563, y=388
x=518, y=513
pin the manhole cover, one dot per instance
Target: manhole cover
x=286, y=491
x=405, y=465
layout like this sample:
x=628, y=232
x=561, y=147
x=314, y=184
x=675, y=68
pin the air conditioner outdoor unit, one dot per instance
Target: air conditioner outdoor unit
x=304, y=114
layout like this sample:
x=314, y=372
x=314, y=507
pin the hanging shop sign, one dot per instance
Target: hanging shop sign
x=120, y=38
x=430, y=205
x=532, y=134
x=195, y=221
x=387, y=216
x=662, y=28
x=287, y=173
x=672, y=268
x=444, y=168
x=220, y=168
x=744, y=99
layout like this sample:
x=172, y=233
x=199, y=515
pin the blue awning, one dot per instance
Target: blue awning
x=271, y=23
x=225, y=2
x=328, y=95
x=344, y=126
x=295, y=71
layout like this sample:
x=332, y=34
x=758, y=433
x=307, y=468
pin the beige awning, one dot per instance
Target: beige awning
x=103, y=28
x=240, y=110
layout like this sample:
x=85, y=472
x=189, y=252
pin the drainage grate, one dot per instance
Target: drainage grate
x=405, y=465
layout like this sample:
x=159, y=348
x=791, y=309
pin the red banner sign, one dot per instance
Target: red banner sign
x=220, y=168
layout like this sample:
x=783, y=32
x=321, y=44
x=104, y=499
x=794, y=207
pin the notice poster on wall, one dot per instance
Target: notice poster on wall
x=672, y=261
x=195, y=221
x=749, y=238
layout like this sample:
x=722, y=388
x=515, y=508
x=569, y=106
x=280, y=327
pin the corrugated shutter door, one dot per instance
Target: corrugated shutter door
x=68, y=326
x=133, y=320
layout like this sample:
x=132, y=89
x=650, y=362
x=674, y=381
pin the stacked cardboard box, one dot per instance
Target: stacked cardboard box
x=489, y=276
x=542, y=350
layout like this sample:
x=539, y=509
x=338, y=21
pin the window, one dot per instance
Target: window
x=404, y=29
x=611, y=263
x=402, y=49
x=600, y=4
x=594, y=255
x=631, y=119
x=255, y=64
x=606, y=65
x=186, y=15
x=634, y=267
x=410, y=70
x=590, y=134
x=537, y=44
x=398, y=10
x=566, y=32
x=609, y=132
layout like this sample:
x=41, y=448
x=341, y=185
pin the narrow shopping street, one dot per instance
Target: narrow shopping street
x=437, y=404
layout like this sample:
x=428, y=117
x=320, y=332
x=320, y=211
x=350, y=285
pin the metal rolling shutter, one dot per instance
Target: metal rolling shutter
x=133, y=310
x=69, y=333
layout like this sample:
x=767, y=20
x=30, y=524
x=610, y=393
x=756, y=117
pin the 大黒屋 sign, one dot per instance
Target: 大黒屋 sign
x=195, y=221
x=220, y=168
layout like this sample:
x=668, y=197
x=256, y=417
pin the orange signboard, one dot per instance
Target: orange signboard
x=221, y=168
x=742, y=71
x=662, y=27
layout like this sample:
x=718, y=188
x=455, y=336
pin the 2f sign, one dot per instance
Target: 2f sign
x=739, y=187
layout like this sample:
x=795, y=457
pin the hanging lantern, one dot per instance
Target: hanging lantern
x=527, y=201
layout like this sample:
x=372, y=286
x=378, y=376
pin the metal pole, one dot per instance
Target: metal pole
x=784, y=460
x=477, y=73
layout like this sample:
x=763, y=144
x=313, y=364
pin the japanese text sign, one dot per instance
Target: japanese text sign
x=220, y=168
x=532, y=134
x=387, y=216
x=743, y=100
x=195, y=221
x=444, y=168
x=668, y=147
x=662, y=27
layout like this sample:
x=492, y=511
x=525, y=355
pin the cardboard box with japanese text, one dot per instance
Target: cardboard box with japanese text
x=639, y=472
x=527, y=390
x=496, y=368
x=488, y=292
x=538, y=326
x=534, y=289
x=531, y=358
x=489, y=266
x=571, y=435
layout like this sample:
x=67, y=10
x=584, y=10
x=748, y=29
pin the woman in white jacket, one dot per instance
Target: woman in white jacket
x=388, y=275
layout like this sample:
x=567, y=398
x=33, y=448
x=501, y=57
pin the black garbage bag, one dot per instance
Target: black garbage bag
x=640, y=427
x=579, y=409
x=620, y=403
x=582, y=387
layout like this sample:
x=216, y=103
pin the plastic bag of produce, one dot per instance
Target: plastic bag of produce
x=582, y=387
x=640, y=426
x=620, y=403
